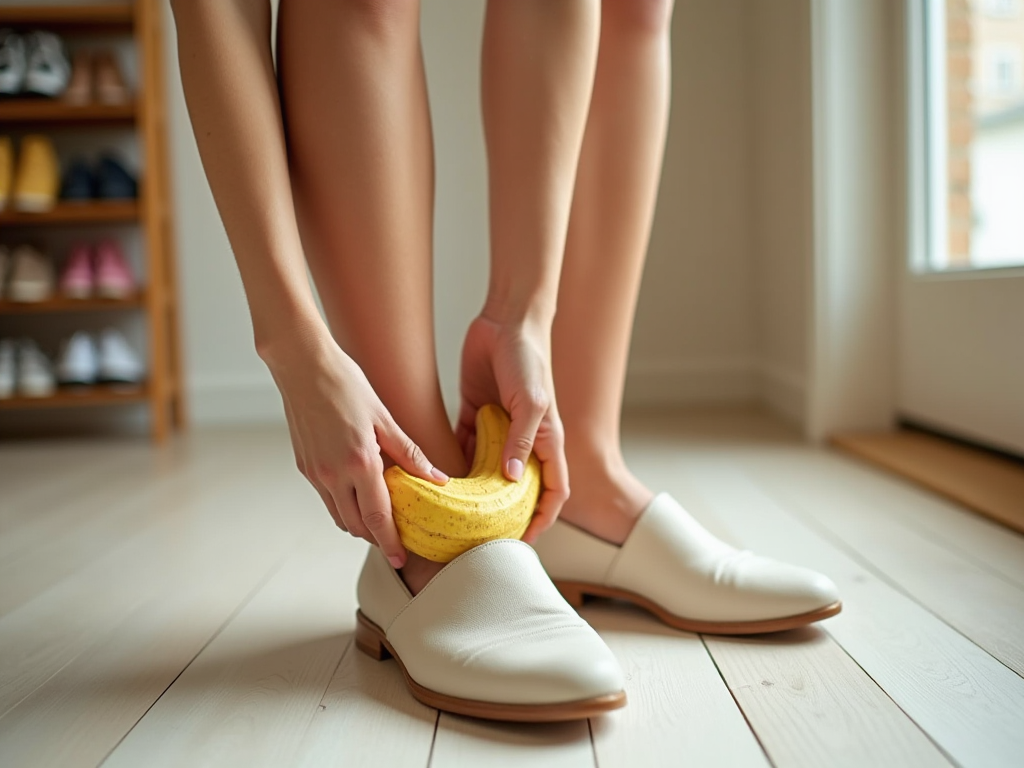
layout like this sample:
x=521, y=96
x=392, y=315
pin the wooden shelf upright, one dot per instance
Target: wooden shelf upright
x=152, y=212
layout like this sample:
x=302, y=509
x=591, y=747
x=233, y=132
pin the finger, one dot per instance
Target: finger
x=550, y=450
x=348, y=509
x=526, y=412
x=465, y=430
x=375, y=507
x=331, y=506
x=405, y=453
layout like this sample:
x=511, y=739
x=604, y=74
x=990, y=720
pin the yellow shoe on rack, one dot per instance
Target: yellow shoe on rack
x=38, y=177
x=6, y=170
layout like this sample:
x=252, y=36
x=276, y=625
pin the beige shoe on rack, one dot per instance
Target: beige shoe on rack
x=31, y=276
x=672, y=566
x=109, y=84
x=488, y=637
x=79, y=90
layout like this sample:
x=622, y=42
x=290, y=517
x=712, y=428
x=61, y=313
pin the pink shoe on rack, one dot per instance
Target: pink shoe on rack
x=114, y=279
x=76, y=279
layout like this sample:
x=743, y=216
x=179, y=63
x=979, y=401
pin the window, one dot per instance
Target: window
x=967, y=135
x=1001, y=9
x=1001, y=69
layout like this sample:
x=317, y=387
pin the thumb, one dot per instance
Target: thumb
x=406, y=454
x=526, y=414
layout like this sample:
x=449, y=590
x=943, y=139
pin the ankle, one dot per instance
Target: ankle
x=418, y=571
x=607, y=499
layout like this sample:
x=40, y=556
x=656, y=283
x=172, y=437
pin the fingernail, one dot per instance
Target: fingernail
x=515, y=469
x=437, y=474
x=396, y=562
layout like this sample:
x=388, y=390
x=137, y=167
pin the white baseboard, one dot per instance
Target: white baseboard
x=784, y=392
x=234, y=399
x=253, y=399
x=680, y=382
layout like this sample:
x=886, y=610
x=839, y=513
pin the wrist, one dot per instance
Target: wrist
x=291, y=336
x=509, y=307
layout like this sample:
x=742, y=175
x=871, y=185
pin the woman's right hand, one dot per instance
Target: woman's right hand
x=339, y=430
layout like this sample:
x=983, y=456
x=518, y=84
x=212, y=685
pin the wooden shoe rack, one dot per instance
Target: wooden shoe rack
x=156, y=301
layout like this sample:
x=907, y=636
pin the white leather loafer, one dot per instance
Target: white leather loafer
x=489, y=637
x=672, y=566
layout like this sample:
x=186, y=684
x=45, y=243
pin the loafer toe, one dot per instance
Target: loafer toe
x=490, y=636
x=691, y=580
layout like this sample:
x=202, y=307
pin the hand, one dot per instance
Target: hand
x=510, y=364
x=339, y=429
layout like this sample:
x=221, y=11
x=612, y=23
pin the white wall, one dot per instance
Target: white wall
x=778, y=41
x=694, y=338
x=709, y=310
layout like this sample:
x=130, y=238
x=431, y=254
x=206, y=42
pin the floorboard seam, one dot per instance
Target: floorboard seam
x=777, y=495
x=593, y=746
x=895, y=703
x=271, y=572
x=433, y=738
x=736, y=701
x=913, y=525
x=344, y=655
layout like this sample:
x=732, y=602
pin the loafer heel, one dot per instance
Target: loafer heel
x=673, y=567
x=572, y=592
x=368, y=640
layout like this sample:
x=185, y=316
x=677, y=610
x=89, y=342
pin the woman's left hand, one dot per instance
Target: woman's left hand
x=510, y=363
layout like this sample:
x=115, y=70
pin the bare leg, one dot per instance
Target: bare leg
x=361, y=156
x=609, y=229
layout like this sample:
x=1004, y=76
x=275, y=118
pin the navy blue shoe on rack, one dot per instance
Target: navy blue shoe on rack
x=78, y=184
x=113, y=182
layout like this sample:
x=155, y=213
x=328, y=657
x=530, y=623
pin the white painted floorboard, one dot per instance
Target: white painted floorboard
x=193, y=606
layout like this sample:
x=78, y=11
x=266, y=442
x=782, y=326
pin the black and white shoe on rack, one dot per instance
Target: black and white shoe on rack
x=48, y=68
x=13, y=62
x=78, y=363
x=118, y=363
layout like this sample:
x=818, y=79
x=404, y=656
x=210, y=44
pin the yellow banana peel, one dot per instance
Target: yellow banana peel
x=440, y=522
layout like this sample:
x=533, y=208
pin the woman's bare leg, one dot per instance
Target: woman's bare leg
x=360, y=150
x=609, y=229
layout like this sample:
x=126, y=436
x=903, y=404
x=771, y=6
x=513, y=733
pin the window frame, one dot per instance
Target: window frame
x=927, y=153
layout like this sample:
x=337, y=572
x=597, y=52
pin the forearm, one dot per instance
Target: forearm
x=231, y=92
x=538, y=69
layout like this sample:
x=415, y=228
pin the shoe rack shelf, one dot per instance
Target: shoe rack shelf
x=98, y=212
x=45, y=112
x=80, y=397
x=137, y=301
x=147, y=116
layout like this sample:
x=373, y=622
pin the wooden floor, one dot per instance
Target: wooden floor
x=193, y=606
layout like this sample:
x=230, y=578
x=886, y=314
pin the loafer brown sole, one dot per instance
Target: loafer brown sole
x=370, y=639
x=576, y=593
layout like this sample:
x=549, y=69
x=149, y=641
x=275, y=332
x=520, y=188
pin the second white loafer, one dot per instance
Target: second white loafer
x=490, y=637
x=672, y=566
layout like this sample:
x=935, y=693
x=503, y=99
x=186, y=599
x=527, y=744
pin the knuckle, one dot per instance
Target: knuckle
x=413, y=453
x=376, y=519
x=325, y=473
x=363, y=460
x=523, y=443
x=537, y=400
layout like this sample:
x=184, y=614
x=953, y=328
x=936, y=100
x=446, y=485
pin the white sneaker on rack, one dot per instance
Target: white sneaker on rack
x=13, y=62
x=35, y=375
x=6, y=368
x=78, y=363
x=118, y=362
x=48, y=69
